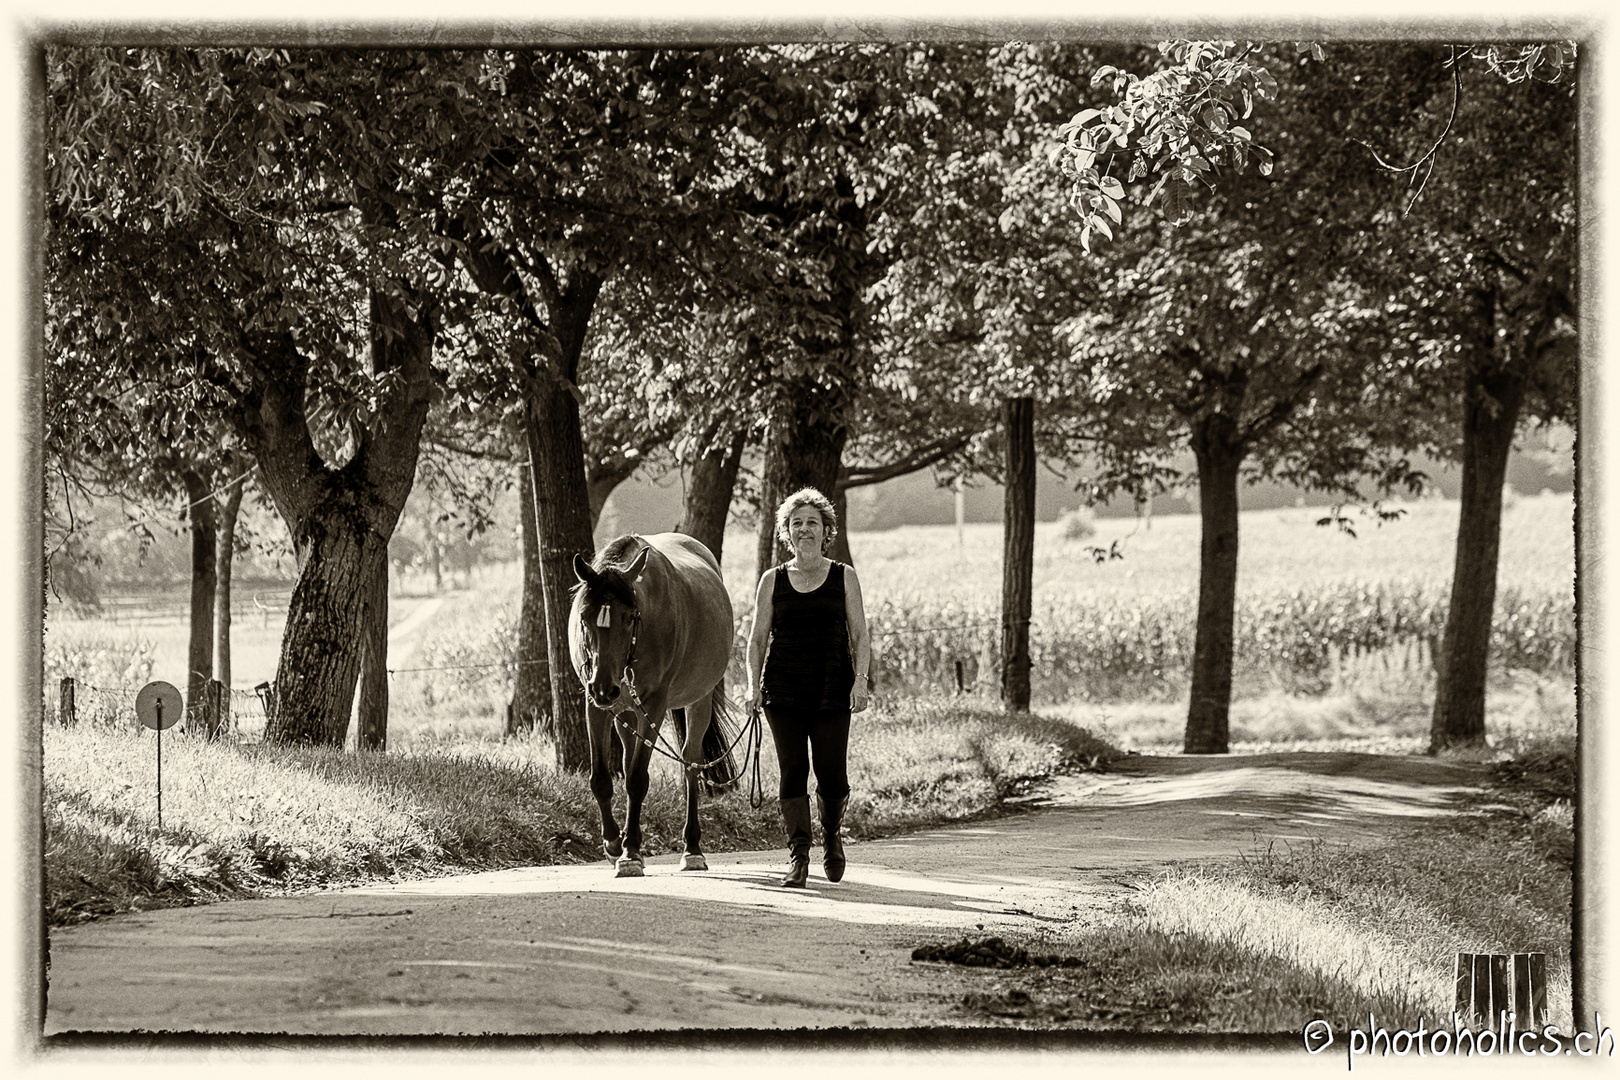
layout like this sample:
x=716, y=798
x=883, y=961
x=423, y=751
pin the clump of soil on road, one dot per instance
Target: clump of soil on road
x=1089, y=992
x=990, y=952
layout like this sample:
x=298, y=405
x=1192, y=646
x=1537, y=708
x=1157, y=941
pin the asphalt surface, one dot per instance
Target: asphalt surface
x=572, y=949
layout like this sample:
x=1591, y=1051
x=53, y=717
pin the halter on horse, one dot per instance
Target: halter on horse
x=651, y=631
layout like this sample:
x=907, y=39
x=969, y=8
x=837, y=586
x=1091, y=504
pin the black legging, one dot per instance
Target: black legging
x=803, y=736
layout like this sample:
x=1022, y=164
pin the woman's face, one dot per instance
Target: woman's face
x=806, y=528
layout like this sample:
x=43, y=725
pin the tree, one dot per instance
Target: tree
x=1478, y=268
x=1018, y=558
x=151, y=438
x=982, y=282
x=232, y=218
x=1234, y=336
x=1245, y=334
x=871, y=205
x=227, y=510
x=607, y=185
x=1487, y=322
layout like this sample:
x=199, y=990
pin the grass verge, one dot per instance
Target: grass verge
x=241, y=820
x=1293, y=933
x=1142, y=979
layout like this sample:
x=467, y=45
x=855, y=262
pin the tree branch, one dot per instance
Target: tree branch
x=937, y=451
x=1282, y=407
x=1431, y=156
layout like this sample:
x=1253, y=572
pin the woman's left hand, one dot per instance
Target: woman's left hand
x=859, y=699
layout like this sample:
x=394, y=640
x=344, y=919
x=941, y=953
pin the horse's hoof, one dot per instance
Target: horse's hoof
x=628, y=867
x=694, y=862
x=613, y=851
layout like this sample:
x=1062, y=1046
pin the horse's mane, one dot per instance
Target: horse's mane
x=619, y=553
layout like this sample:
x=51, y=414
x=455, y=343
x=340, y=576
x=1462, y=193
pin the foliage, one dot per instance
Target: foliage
x=1183, y=121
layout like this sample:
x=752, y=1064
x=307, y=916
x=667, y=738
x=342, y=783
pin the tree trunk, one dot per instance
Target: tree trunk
x=320, y=652
x=224, y=557
x=1219, y=456
x=557, y=454
x=531, y=686
x=373, y=732
x=1018, y=553
x=708, y=496
x=204, y=582
x=840, y=544
x=599, y=485
x=804, y=447
x=1490, y=418
x=340, y=517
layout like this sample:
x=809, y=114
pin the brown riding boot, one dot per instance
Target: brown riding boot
x=832, y=841
x=796, y=819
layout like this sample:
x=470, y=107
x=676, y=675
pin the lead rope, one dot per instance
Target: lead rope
x=752, y=731
x=756, y=789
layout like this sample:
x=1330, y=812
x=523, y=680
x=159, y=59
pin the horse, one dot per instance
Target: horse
x=650, y=630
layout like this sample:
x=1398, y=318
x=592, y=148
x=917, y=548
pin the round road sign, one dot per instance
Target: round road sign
x=158, y=705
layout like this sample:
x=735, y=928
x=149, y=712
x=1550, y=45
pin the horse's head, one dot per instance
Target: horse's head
x=606, y=620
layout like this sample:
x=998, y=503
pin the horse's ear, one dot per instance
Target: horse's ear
x=637, y=565
x=582, y=569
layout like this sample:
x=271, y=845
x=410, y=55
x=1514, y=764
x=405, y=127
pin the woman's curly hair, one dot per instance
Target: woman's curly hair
x=806, y=497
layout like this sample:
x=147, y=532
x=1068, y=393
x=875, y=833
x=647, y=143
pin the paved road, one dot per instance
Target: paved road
x=572, y=949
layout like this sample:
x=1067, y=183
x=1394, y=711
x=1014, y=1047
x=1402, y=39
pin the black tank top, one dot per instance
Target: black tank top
x=808, y=665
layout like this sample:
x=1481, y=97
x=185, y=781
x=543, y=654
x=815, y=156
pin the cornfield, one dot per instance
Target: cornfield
x=1302, y=642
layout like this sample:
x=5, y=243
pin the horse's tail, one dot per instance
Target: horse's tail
x=719, y=741
x=723, y=774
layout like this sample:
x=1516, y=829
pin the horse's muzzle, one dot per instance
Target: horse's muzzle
x=604, y=697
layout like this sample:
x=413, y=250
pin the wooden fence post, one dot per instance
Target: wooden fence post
x=216, y=705
x=66, y=713
x=267, y=699
x=1491, y=984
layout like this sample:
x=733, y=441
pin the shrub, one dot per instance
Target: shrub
x=1078, y=524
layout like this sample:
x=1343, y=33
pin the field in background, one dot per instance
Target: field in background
x=1335, y=631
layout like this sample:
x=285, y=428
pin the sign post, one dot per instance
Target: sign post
x=158, y=706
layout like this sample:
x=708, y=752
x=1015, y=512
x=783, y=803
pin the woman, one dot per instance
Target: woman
x=808, y=657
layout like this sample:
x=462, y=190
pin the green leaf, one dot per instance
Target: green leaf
x=1112, y=188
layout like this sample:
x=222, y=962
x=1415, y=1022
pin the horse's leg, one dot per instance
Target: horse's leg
x=637, y=755
x=598, y=724
x=698, y=715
